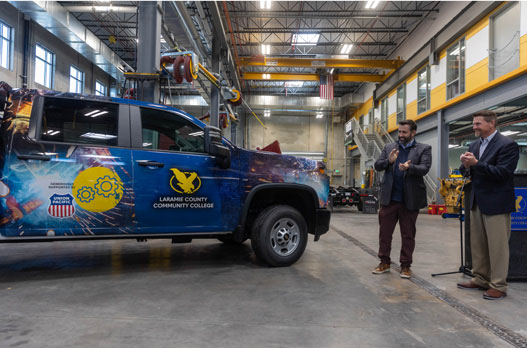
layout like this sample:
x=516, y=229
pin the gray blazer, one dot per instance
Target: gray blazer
x=414, y=186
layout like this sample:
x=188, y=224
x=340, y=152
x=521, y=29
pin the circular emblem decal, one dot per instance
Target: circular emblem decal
x=184, y=182
x=97, y=189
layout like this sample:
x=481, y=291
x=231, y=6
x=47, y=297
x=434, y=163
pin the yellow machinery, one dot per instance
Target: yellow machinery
x=450, y=189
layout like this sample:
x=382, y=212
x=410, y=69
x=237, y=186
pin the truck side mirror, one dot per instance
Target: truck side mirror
x=214, y=146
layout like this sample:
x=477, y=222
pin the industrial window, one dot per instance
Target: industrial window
x=455, y=70
x=401, y=103
x=44, y=64
x=384, y=113
x=100, y=88
x=167, y=131
x=370, y=117
x=79, y=121
x=423, y=90
x=76, y=80
x=504, y=52
x=6, y=44
x=361, y=122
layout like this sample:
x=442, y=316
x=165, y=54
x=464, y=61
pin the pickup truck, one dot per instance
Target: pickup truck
x=82, y=167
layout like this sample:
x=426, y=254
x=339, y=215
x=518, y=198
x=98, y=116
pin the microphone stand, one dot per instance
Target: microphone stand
x=462, y=268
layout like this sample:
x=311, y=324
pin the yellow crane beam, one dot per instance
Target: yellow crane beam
x=322, y=63
x=312, y=77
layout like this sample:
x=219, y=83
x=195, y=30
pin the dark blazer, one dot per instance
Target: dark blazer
x=492, y=177
x=414, y=185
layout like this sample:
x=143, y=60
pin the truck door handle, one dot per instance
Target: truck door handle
x=34, y=157
x=150, y=164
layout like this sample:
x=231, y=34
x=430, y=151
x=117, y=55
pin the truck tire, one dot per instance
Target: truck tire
x=359, y=205
x=279, y=235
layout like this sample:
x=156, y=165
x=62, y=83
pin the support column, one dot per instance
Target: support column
x=442, y=146
x=215, y=93
x=148, y=47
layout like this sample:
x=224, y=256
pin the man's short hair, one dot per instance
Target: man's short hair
x=411, y=123
x=487, y=115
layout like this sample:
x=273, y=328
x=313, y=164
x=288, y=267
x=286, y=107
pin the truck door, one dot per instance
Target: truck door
x=69, y=171
x=178, y=187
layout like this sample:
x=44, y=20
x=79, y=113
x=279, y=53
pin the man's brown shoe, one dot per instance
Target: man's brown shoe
x=471, y=286
x=382, y=268
x=406, y=273
x=493, y=294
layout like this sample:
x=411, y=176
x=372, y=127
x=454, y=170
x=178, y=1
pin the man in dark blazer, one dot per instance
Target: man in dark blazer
x=490, y=162
x=403, y=193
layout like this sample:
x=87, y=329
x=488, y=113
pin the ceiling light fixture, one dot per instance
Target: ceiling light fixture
x=267, y=113
x=265, y=5
x=319, y=115
x=331, y=71
x=372, y=4
x=295, y=84
x=267, y=76
x=266, y=49
x=305, y=39
x=346, y=48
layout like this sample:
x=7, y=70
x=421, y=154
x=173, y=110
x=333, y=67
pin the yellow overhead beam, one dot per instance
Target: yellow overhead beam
x=312, y=77
x=280, y=76
x=322, y=63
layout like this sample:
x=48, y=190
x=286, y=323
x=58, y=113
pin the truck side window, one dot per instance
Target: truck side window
x=79, y=121
x=167, y=131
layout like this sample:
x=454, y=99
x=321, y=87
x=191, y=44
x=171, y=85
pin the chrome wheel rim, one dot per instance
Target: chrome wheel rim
x=285, y=237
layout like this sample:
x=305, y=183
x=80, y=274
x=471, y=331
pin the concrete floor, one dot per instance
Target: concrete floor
x=206, y=294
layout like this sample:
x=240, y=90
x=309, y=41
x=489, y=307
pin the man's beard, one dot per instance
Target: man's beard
x=404, y=140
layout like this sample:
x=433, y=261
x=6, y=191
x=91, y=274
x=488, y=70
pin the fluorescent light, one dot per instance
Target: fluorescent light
x=305, y=39
x=319, y=115
x=452, y=146
x=265, y=5
x=331, y=71
x=146, y=144
x=346, y=48
x=294, y=84
x=507, y=133
x=98, y=136
x=267, y=113
x=52, y=132
x=196, y=134
x=266, y=49
x=92, y=112
x=372, y=4
x=100, y=113
x=266, y=76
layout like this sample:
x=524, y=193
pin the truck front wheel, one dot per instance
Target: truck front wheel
x=279, y=235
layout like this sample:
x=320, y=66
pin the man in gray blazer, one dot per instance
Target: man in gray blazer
x=403, y=193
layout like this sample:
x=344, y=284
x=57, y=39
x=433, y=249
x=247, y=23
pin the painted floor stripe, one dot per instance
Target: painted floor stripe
x=499, y=330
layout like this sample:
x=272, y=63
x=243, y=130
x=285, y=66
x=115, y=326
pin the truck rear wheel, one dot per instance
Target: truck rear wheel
x=279, y=235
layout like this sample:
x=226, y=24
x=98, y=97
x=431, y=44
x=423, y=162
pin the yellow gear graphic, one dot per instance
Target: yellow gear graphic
x=104, y=185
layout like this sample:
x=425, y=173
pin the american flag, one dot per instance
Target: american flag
x=61, y=206
x=326, y=87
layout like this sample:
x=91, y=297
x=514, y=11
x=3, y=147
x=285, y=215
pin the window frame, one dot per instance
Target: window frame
x=97, y=91
x=35, y=123
x=426, y=98
x=52, y=64
x=137, y=130
x=10, y=43
x=81, y=81
x=460, y=79
x=403, y=111
x=384, y=113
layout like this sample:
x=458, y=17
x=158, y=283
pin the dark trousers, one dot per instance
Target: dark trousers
x=388, y=217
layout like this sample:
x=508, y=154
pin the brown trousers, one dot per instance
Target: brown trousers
x=388, y=217
x=489, y=245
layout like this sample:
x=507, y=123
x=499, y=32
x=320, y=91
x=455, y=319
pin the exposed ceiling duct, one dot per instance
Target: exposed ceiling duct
x=60, y=22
